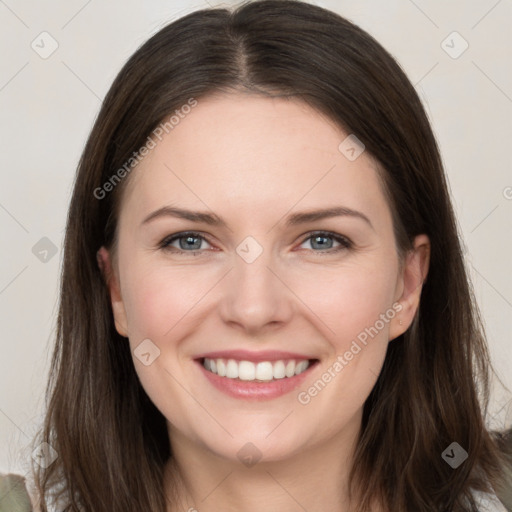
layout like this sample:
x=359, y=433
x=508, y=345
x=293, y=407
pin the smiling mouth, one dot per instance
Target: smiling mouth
x=263, y=371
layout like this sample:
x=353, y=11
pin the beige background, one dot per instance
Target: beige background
x=48, y=106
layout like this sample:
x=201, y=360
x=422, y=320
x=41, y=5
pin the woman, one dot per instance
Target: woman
x=263, y=285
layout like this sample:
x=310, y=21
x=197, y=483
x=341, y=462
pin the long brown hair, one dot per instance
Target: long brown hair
x=112, y=442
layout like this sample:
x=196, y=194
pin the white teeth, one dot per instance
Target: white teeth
x=290, y=369
x=301, y=367
x=246, y=370
x=264, y=371
x=221, y=367
x=232, y=369
x=249, y=371
x=279, y=370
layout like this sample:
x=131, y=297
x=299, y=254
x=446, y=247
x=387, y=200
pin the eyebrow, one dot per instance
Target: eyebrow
x=292, y=220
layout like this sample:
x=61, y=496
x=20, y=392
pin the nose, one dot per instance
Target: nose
x=255, y=296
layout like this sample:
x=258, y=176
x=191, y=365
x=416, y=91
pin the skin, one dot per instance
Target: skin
x=253, y=161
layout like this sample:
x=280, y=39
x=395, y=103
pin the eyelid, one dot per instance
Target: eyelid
x=165, y=243
x=344, y=241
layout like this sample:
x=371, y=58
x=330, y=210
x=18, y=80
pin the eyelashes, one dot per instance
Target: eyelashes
x=191, y=237
x=165, y=244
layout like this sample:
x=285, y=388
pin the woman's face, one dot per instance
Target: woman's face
x=256, y=280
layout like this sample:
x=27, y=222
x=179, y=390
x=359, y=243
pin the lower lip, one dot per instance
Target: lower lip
x=252, y=390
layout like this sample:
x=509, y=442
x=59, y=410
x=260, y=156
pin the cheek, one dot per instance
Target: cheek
x=348, y=300
x=356, y=303
x=351, y=305
x=157, y=299
x=158, y=304
x=344, y=299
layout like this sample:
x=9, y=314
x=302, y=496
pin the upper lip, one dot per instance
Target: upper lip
x=247, y=355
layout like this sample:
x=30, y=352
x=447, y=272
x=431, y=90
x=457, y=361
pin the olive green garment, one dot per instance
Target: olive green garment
x=13, y=494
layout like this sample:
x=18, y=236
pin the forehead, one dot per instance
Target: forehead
x=254, y=155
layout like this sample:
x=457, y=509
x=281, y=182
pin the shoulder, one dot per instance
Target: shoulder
x=13, y=493
x=488, y=502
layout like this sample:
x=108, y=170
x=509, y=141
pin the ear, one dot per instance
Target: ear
x=413, y=275
x=112, y=281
